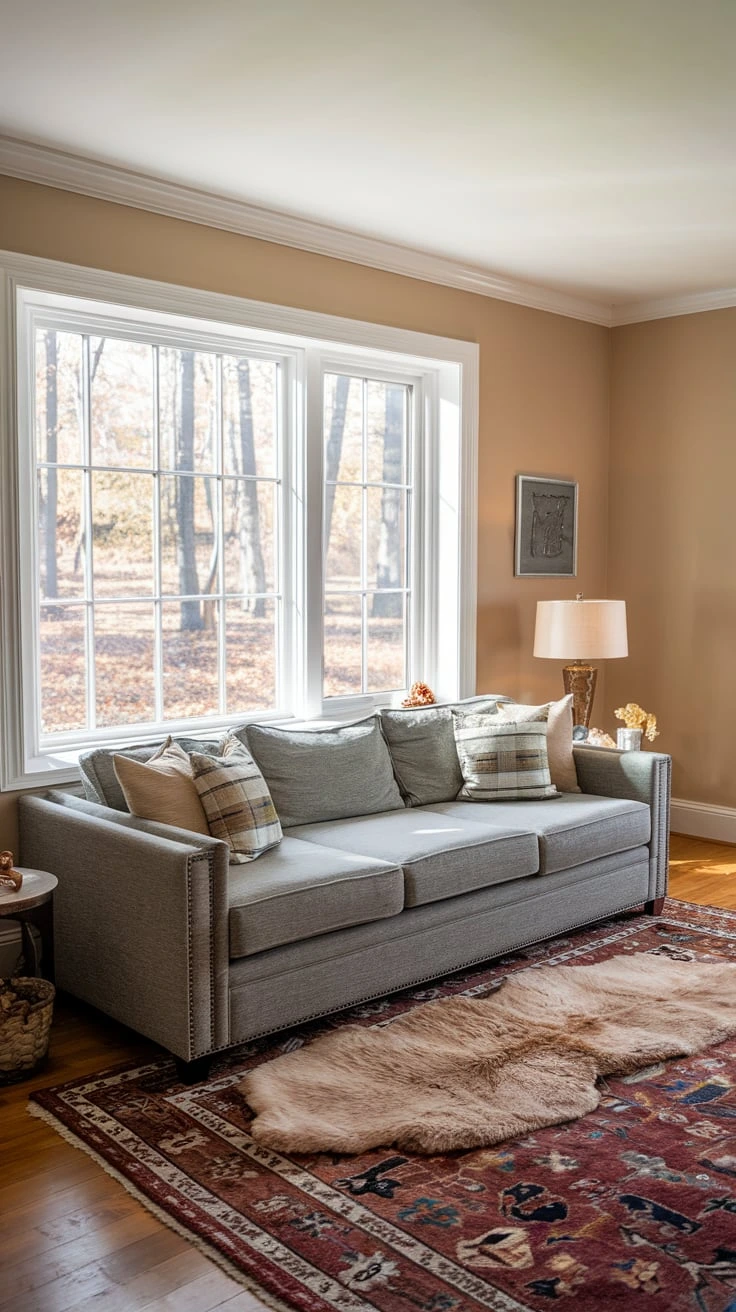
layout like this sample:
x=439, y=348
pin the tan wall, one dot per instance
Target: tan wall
x=543, y=391
x=672, y=535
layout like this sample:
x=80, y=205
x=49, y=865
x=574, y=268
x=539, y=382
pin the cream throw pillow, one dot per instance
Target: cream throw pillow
x=502, y=761
x=236, y=800
x=559, y=737
x=162, y=788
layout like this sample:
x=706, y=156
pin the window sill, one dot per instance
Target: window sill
x=62, y=766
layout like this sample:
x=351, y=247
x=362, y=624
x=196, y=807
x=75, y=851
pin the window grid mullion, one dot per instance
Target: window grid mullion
x=146, y=469
x=364, y=541
x=88, y=540
x=278, y=531
x=221, y=609
x=158, y=628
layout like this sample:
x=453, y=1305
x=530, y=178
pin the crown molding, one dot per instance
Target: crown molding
x=56, y=168
x=668, y=307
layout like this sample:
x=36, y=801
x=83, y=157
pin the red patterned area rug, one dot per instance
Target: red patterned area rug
x=638, y=1199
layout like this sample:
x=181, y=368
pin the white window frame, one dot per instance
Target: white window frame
x=444, y=374
x=422, y=654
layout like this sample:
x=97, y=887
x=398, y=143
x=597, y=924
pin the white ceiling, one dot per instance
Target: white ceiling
x=585, y=145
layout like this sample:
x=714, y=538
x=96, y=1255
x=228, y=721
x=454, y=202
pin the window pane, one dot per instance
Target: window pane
x=343, y=529
x=189, y=659
x=63, y=667
x=251, y=658
x=122, y=534
x=343, y=428
x=58, y=396
x=124, y=647
x=121, y=385
x=386, y=415
x=342, y=645
x=386, y=659
x=249, y=404
x=60, y=541
x=386, y=563
x=188, y=534
x=249, y=535
x=187, y=409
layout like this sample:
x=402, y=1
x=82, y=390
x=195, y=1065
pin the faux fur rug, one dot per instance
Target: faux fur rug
x=467, y=1072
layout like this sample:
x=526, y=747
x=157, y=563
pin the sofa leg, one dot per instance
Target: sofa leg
x=192, y=1072
x=654, y=908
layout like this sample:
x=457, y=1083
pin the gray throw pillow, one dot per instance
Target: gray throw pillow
x=324, y=774
x=99, y=780
x=421, y=741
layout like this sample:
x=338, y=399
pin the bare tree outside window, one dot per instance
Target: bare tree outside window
x=191, y=616
x=389, y=570
x=252, y=569
x=52, y=422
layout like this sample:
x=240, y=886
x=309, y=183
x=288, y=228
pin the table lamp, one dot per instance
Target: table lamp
x=580, y=631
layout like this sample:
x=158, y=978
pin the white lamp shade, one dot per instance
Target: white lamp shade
x=581, y=630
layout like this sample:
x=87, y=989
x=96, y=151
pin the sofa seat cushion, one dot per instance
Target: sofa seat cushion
x=300, y=889
x=441, y=855
x=571, y=829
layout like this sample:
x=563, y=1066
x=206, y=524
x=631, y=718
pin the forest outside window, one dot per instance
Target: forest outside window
x=368, y=534
x=158, y=512
x=226, y=523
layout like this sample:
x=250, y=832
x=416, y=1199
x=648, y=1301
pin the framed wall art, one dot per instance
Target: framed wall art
x=546, y=527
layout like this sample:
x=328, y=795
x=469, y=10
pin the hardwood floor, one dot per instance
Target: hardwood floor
x=702, y=871
x=72, y=1238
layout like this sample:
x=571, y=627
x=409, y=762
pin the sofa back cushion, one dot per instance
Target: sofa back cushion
x=99, y=780
x=325, y=774
x=422, y=745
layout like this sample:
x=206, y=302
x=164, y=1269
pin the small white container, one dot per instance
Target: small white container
x=628, y=740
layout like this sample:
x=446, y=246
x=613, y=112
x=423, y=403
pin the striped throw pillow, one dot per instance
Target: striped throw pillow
x=502, y=762
x=236, y=800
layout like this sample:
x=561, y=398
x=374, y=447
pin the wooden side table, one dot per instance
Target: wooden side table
x=33, y=904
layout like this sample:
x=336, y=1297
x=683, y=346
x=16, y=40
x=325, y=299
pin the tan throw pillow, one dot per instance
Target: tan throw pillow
x=559, y=737
x=236, y=800
x=162, y=788
x=502, y=761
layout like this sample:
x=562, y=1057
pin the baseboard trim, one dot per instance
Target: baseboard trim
x=702, y=820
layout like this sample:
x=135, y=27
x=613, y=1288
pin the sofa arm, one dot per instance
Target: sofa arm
x=140, y=919
x=638, y=777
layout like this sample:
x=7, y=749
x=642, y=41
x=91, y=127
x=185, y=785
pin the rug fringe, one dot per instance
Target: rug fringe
x=207, y=1250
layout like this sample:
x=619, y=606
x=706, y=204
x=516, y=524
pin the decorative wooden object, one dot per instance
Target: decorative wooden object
x=580, y=679
x=9, y=878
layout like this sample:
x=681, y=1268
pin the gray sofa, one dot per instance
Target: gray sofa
x=155, y=928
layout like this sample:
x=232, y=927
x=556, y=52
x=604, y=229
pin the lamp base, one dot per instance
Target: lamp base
x=580, y=679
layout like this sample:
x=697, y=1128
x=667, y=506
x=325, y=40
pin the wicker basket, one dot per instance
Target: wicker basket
x=26, y=1008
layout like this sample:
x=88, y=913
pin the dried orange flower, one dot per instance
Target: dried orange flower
x=635, y=718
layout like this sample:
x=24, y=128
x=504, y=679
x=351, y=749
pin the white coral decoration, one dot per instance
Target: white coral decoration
x=599, y=738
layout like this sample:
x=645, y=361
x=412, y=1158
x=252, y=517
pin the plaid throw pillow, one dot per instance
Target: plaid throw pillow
x=502, y=762
x=236, y=801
